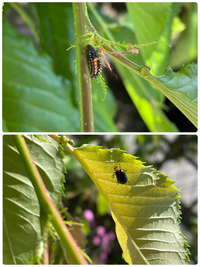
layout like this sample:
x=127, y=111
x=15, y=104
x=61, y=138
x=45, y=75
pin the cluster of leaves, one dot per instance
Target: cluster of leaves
x=148, y=232
x=178, y=87
x=40, y=86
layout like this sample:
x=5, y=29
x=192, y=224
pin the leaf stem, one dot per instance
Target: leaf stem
x=187, y=107
x=44, y=233
x=81, y=21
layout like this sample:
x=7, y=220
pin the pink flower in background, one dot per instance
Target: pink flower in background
x=101, y=239
x=96, y=240
x=101, y=230
x=103, y=256
x=111, y=235
x=88, y=214
x=105, y=241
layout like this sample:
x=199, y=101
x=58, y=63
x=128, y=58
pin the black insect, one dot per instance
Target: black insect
x=94, y=61
x=120, y=174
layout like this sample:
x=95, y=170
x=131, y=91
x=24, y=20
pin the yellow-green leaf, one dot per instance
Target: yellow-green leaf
x=145, y=209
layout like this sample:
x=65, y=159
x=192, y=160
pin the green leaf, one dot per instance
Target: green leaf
x=49, y=164
x=55, y=24
x=146, y=100
x=185, y=49
x=21, y=211
x=34, y=97
x=159, y=57
x=145, y=209
x=148, y=23
x=181, y=89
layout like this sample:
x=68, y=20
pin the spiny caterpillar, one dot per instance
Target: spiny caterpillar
x=93, y=58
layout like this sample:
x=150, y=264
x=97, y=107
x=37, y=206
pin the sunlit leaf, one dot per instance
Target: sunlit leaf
x=150, y=26
x=145, y=209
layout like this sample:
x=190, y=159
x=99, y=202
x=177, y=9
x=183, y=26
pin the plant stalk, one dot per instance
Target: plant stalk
x=84, y=81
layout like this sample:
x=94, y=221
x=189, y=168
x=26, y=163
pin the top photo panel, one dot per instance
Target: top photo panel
x=100, y=67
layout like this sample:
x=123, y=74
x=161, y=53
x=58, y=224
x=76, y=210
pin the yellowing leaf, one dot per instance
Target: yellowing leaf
x=145, y=209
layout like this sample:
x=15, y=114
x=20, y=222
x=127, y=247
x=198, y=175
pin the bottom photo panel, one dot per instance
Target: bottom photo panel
x=100, y=199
